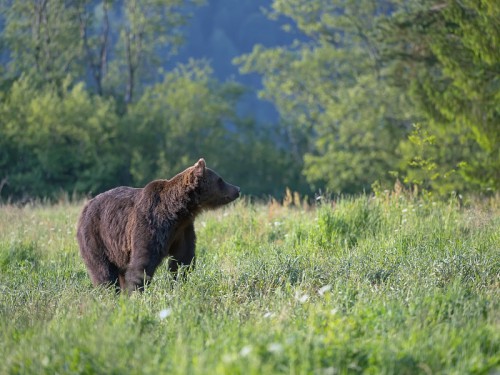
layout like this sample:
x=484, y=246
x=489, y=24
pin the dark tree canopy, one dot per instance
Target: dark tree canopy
x=99, y=93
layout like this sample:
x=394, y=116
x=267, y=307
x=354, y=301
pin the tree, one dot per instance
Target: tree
x=178, y=121
x=449, y=54
x=191, y=115
x=150, y=26
x=42, y=37
x=120, y=44
x=368, y=70
x=58, y=139
x=340, y=113
x=96, y=36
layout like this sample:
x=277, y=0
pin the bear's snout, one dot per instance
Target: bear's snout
x=236, y=192
x=231, y=193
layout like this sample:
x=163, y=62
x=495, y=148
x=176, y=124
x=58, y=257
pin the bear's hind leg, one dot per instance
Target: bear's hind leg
x=105, y=274
x=100, y=269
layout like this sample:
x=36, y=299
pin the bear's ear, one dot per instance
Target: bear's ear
x=199, y=170
x=200, y=165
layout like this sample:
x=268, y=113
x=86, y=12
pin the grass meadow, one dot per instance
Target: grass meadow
x=374, y=285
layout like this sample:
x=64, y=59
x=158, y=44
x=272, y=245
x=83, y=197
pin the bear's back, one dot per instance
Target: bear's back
x=107, y=216
x=107, y=205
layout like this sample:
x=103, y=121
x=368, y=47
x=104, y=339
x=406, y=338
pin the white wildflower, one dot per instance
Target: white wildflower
x=302, y=298
x=324, y=289
x=275, y=347
x=290, y=340
x=165, y=313
x=328, y=371
x=245, y=351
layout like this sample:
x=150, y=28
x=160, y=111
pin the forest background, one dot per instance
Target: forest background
x=339, y=96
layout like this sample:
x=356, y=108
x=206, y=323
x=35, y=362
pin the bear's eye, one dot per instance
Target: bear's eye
x=220, y=182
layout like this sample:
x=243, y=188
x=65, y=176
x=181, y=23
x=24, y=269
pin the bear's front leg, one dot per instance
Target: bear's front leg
x=183, y=249
x=136, y=276
x=143, y=262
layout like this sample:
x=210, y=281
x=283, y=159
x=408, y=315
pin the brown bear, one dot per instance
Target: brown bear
x=125, y=233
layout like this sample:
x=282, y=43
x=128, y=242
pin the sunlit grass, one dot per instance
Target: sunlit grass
x=365, y=285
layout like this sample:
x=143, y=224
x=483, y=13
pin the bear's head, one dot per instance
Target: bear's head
x=211, y=190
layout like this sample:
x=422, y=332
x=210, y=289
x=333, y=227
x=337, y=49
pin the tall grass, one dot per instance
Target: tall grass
x=368, y=285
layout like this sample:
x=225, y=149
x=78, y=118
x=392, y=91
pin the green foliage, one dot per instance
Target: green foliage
x=416, y=291
x=448, y=61
x=434, y=162
x=358, y=141
x=60, y=136
x=148, y=26
x=471, y=65
x=58, y=139
x=85, y=104
x=61, y=139
x=348, y=222
x=341, y=115
x=191, y=115
x=50, y=40
x=43, y=39
x=180, y=120
x=363, y=72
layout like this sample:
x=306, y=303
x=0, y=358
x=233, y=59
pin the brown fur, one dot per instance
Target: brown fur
x=125, y=233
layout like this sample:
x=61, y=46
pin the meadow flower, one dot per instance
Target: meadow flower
x=165, y=313
x=268, y=314
x=324, y=289
x=275, y=347
x=245, y=351
x=327, y=371
x=228, y=358
x=302, y=298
